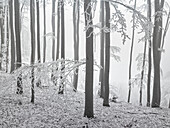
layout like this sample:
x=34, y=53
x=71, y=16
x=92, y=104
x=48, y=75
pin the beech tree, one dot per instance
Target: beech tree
x=53, y=29
x=58, y=28
x=131, y=53
x=32, y=29
x=2, y=34
x=7, y=35
x=107, y=57
x=18, y=45
x=44, y=39
x=11, y=35
x=89, y=60
x=38, y=32
x=157, y=38
x=149, y=55
x=61, y=87
x=102, y=36
x=76, y=16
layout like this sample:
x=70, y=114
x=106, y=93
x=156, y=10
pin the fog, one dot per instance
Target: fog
x=118, y=70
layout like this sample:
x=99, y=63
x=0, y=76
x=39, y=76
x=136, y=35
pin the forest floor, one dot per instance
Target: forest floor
x=53, y=110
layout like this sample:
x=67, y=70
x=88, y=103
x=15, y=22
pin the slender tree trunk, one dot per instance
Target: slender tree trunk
x=89, y=61
x=2, y=34
x=58, y=28
x=157, y=34
x=38, y=32
x=131, y=53
x=142, y=73
x=76, y=15
x=11, y=35
x=53, y=38
x=44, y=49
x=149, y=56
x=32, y=29
x=18, y=45
x=61, y=87
x=7, y=39
x=107, y=57
x=102, y=35
x=53, y=29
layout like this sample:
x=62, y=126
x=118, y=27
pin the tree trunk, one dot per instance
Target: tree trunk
x=157, y=36
x=149, y=56
x=11, y=35
x=131, y=53
x=76, y=15
x=107, y=57
x=53, y=29
x=44, y=48
x=18, y=45
x=61, y=87
x=38, y=32
x=89, y=61
x=32, y=29
x=142, y=73
x=58, y=28
x=102, y=35
x=7, y=38
x=2, y=34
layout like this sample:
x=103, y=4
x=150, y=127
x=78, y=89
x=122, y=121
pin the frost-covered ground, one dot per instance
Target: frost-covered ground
x=52, y=110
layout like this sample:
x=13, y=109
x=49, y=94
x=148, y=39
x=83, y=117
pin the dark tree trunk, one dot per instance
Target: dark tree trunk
x=61, y=87
x=149, y=56
x=76, y=15
x=131, y=53
x=157, y=34
x=38, y=32
x=44, y=47
x=142, y=73
x=18, y=45
x=107, y=57
x=58, y=28
x=101, y=75
x=2, y=34
x=11, y=35
x=7, y=39
x=89, y=61
x=53, y=29
x=32, y=29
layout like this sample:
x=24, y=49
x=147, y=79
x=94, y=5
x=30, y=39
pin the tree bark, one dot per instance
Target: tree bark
x=157, y=36
x=89, y=61
x=53, y=29
x=149, y=56
x=7, y=37
x=44, y=47
x=142, y=73
x=102, y=36
x=18, y=45
x=58, y=28
x=131, y=53
x=76, y=15
x=107, y=57
x=61, y=87
x=11, y=27
x=32, y=29
x=2, y=34
x=38, y=32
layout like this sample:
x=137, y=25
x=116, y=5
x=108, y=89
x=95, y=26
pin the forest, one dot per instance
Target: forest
x=84, y=64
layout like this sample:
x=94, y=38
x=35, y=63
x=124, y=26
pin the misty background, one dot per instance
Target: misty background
x=118, y=70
